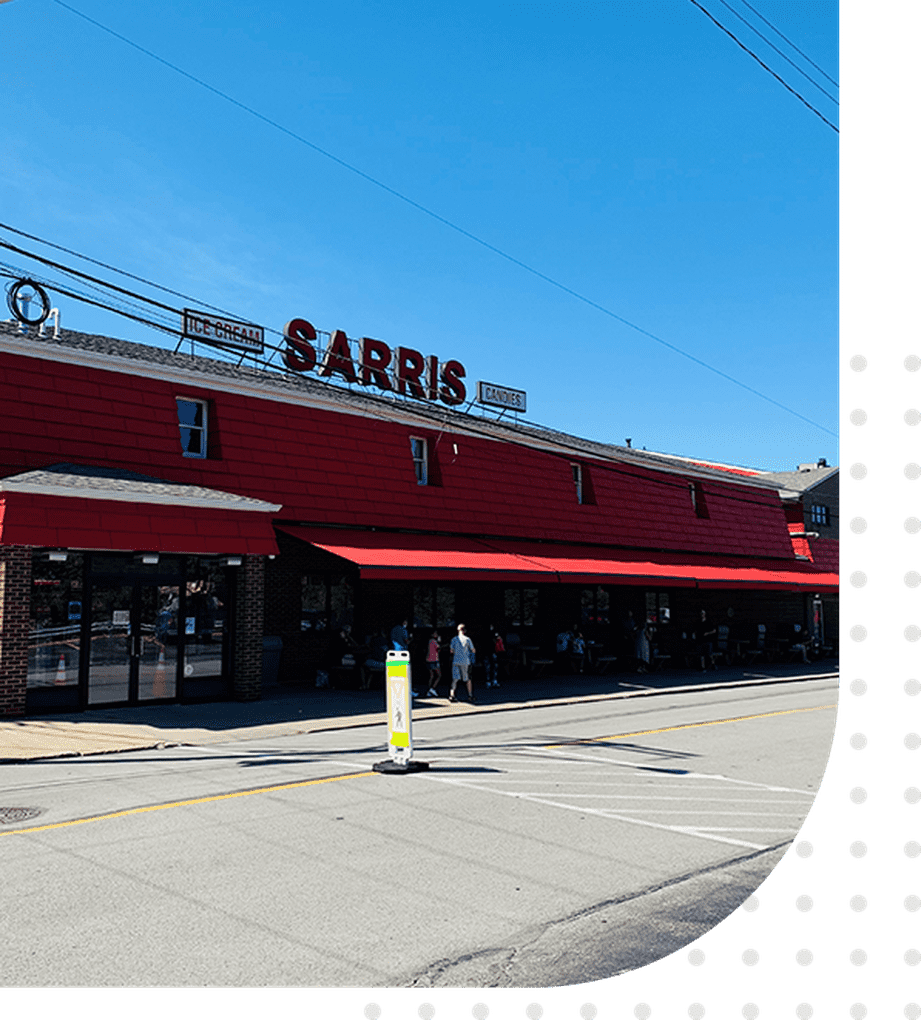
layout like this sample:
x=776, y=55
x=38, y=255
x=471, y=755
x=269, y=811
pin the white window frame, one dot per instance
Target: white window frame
x=820, y=515
x=420, y=462
x=577, y=479
x=203, y=429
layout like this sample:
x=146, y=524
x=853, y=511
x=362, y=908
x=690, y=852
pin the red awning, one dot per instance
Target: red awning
x=441, y=558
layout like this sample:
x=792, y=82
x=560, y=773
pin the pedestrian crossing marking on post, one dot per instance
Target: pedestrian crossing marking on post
x=398, y=682
x=399, y=707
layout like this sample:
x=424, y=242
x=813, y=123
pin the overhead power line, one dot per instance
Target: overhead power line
x=114, y=269
x=755, y=56
x=642, y=472
x=454, y=226
x=780, y=52
x=773, y=28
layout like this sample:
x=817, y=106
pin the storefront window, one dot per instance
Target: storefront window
x=55, y=614
x=204, y=624
x=596, y=607
x=445, y=613
x=521, y=606
x=423, y=605
x=433, y=606
x=313, y=602
x=326, y=601
x=341, y=602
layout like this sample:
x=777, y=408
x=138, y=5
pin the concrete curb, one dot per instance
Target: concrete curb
x=131, y=737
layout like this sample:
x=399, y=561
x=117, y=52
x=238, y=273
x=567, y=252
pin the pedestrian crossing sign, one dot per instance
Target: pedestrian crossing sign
x=399, y=706
x=398, y=680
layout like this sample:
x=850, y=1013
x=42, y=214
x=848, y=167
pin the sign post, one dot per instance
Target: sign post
x=398, y=681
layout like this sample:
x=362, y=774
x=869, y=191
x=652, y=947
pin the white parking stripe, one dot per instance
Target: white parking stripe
x=690, y=775
x=681, y=830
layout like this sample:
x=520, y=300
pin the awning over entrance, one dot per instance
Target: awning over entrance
x=440, y=558
x=70, y=506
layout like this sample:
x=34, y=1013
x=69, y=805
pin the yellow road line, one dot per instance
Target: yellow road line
x=184, y=803
x=694, y=725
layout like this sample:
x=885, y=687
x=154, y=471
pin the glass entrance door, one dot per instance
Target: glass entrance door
x=133, y=655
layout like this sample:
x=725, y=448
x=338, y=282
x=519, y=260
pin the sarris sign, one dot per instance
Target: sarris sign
x=401, y=370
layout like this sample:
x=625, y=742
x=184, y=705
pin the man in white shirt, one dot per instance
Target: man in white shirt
x=463, y=652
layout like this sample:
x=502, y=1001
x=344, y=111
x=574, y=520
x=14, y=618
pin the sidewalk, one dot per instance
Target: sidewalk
x=286, y=712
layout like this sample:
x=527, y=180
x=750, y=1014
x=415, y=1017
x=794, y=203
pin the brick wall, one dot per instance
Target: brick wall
x=15, y=592
x=249, y=612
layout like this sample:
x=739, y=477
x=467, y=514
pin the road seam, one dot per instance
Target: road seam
x=183, y=803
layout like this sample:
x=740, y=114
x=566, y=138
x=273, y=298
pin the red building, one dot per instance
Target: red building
x=162, y=513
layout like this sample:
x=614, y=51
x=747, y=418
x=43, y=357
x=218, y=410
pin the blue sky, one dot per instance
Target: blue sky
x=631, y=151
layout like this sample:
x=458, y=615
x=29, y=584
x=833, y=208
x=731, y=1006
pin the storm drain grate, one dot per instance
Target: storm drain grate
x=9, y=815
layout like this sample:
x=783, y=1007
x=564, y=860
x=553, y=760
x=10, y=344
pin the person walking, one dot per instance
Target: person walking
x=495, y=650
x=463, y=653
x=577, y=651
x=434, y=664
x=706, y=631
x=399, y=637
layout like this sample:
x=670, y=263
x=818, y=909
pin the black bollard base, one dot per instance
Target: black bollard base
x=395, y=768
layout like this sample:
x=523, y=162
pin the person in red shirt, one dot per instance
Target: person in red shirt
x=434, y=664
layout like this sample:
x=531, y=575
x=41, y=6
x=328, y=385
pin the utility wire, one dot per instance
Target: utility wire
x=774, y=74
x=640, y=472
x=783, y=55
x=114, y=269
x=558, y=439
x=453, y=226
x=789, y=43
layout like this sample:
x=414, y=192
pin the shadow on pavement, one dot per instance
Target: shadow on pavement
x=281, y=705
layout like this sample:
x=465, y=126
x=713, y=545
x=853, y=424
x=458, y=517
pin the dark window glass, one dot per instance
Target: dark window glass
x=205, y=622
x=341, y=602
x=420, y=460
x=55, y=612
x=423, y=598
x=193, y=426
x=577, y=479
x=444, y=607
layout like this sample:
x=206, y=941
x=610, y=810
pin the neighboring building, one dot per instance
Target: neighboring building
x=160, y=513
x=814, y=489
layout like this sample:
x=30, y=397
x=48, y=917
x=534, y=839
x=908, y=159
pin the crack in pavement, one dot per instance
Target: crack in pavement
x=494, y=966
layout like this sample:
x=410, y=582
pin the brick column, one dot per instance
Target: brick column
x=250, y=610
x=15, y=595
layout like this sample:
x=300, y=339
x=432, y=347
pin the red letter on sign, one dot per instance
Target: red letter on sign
x=431, y=382
x=301, y=357
x=410, y=365
x=453, y=390
x=338, y=357
x=375, y=357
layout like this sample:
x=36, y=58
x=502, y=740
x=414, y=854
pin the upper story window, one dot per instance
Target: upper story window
x=698, y=500
x=577, y=480
x=193, y=426
x=819, y=514
x=420, y=459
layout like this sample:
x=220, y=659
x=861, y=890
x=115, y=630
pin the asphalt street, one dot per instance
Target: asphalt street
x=542, y=847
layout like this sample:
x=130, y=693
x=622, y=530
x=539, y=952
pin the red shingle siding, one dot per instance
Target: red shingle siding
x=327, y=466
x=75, y=523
